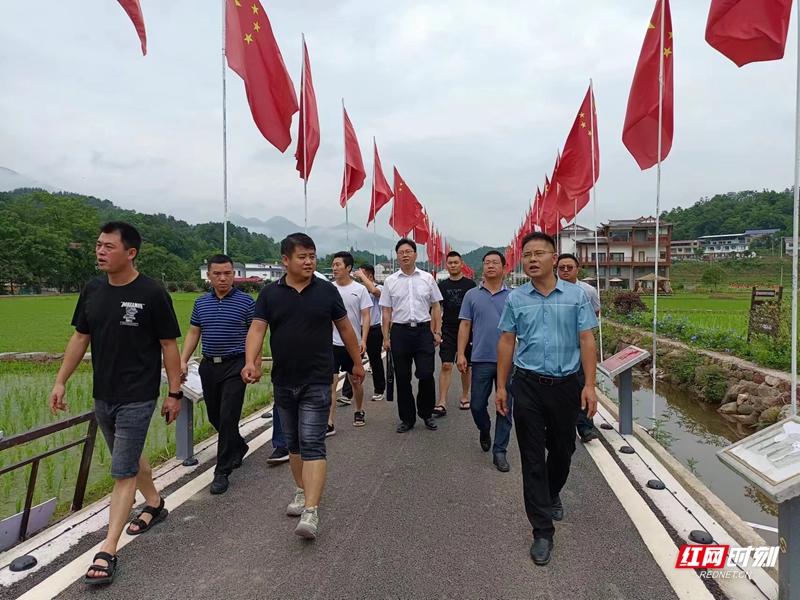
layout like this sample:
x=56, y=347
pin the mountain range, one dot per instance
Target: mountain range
x=335, y=237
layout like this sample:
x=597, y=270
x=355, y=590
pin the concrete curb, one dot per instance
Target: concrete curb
x=730, y=521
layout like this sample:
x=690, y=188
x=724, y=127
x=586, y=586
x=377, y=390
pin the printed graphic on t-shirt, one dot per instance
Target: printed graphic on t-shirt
x=131, y=309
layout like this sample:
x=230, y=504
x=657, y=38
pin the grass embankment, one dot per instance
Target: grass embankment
x=24, y=389
x=742, y=273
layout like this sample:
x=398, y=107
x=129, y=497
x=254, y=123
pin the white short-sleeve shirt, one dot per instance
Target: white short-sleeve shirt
x=410, y=296
x=591, y=294
x=356, y=298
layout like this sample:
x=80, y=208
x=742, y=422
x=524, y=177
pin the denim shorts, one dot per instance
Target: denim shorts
x=304, y=417
x=125, y=428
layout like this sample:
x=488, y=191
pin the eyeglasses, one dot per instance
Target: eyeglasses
x=404, y=252
x=538, y=255
x=565, y=268
x=492, y=263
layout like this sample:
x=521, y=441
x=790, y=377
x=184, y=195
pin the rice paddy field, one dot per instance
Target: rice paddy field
x=24, y=390
x=724, y=310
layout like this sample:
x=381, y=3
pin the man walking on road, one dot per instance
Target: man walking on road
x=551, y=323
x=412, y=317
x=300, y=308
x=129, y=321
x=452, y=289
x=221, y=317
x=480, y=316
x=366, y=275
x=358, y=304
x=567, y=267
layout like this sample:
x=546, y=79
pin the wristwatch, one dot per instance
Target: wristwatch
x=177, y=395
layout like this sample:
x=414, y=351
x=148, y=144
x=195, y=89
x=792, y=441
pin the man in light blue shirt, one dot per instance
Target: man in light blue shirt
x=480, y=315
x=550, y=321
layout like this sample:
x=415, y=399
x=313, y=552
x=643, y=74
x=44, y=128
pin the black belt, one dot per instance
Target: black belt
x=411, y=325
x=543, y=379
x=375, y=326
x=220, y=359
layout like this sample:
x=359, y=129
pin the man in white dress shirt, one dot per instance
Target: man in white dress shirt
x=412, y=327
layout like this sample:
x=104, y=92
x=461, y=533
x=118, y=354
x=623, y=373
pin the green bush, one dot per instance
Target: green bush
x=189, y=286
x=683, y=366
x=712, y=381
x=627, y=303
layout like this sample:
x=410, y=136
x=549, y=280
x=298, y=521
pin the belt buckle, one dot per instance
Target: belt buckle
x=216, y=360
x=544, y=380
x=412, y=324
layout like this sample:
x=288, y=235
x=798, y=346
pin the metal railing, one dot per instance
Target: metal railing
x=40, y=432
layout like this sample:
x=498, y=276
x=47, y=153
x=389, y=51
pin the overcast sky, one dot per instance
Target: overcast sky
x=469, y=98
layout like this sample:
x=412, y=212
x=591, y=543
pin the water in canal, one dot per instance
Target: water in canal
x=693, y=431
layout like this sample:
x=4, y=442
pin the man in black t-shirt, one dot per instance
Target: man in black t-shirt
x=453, y=290
x=129, y=321
x=299, y=308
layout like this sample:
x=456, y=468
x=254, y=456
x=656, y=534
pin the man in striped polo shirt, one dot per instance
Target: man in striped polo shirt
x=221, y=317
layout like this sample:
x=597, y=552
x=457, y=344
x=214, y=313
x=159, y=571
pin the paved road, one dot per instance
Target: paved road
x=418, y=515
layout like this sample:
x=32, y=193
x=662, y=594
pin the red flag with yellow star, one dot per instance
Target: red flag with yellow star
x=354, y=173
x=406, y=210
x=381, y=192
x=749, y=30
x=640, y=132
x=422, y=229
x=253, y=53
x=576, y=174
x=308, y=128
x=134, y=10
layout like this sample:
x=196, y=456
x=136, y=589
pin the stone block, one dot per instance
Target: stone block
x=742, y=398
x=746, y=409
x=757, y=377
x=750, y=419
x=729, y=409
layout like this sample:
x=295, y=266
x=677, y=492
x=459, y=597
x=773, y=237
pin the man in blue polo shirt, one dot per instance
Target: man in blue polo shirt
x=221, y=317
x=480, y=315
x=550, y=321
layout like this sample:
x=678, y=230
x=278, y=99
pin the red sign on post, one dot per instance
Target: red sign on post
x=623, y=360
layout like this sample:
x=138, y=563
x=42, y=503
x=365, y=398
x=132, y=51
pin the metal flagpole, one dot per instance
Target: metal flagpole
x=658, y=198
x=594, y=203
x=303, y=84
x=795, y=223
x=346, y=212
x=224, y=145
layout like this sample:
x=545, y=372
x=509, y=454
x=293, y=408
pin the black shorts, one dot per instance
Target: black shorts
x=342, y=360
x=449, y=345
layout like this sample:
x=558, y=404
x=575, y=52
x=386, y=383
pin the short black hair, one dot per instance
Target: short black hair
x=219, y=259
x=538, y=235
x=451, y=254
x=346, y=257
x=295, y=240
x=368, y=268
x=495, y=252
x=130, y=236
x=403, y=242
x=568, y=255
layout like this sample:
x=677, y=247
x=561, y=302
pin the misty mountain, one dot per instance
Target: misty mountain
x=12, y=180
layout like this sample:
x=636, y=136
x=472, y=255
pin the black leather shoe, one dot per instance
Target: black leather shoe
x=540, y=551
x=220, y=483
x=430, y=424
x=403, y=427
x=589, y=435
x=486, y=440
x=238, y=462
x=557, y=512
x=501, y=463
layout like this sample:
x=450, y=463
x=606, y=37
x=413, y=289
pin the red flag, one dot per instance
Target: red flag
x=354, y=173
x=422, y=229
x=536, y=209
x=381, y=192
x=134, y=10
x=640, y=132
x=749, y=30
x=549, y=221
x=576, y=175
x=253, y=53
x=406, y=210
x=468, y=272
x=308, y=127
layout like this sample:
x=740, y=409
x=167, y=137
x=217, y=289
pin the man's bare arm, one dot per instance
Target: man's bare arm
x=73, y=355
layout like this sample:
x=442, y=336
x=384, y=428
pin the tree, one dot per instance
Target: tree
x=713, y=275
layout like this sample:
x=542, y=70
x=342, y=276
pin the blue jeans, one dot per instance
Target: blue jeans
x=304, y=417
x=278, y=439
x=484, y=377
x=125, y=428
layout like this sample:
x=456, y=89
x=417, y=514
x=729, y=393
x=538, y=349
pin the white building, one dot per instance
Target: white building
x=264, y=271
x=684, y=249
x=788, y=245
x=725, y=245
x=568, y=237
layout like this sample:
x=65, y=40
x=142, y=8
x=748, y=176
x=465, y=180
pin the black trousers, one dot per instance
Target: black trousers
x=544, y=416
x=374, y=350
x=584, y=424
x=223, y=393
x=413, y=345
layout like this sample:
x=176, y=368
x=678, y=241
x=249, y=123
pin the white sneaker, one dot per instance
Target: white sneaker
x=344, y=401
x=377, y=397
x=298, y=503
x=309, y=524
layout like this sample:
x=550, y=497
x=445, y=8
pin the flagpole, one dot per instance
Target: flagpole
x=224, y=144
x=594, y=204
x=795, y=223
x=303, y=84
x=372, y=208
x=658, y=198
x=346, y=182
